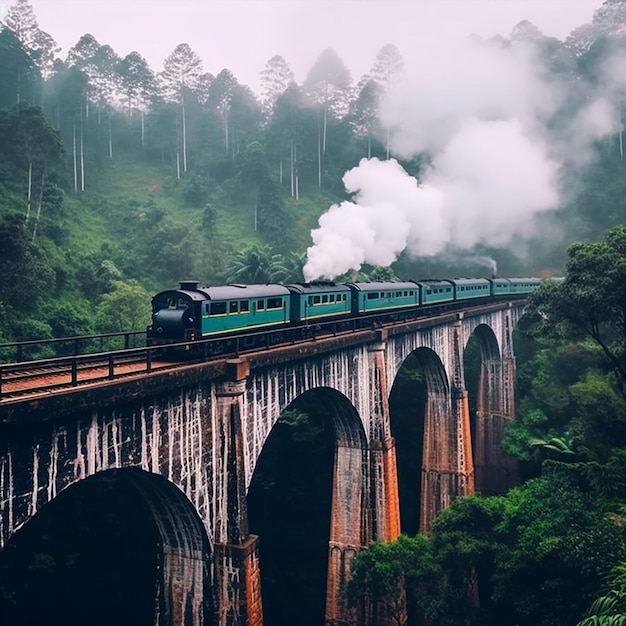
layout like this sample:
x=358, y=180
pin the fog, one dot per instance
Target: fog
x=481, y=110
x=484, y=114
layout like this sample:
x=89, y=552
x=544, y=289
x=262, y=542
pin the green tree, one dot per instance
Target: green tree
x=559, y=540
x=125, y=308
x=275, y=79
x=327, y=85
x=21, y=19
x=137, y=81
x=591, y=301
x=380, y=573
x=252, y=264
x=181, y=74
x=25, y=275
x=609, y=609
x=20, y=78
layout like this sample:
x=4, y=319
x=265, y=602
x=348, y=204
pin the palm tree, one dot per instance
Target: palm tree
x=252, y=264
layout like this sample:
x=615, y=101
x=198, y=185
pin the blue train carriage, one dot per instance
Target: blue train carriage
x=321, y=300
x=194, y=312
x=469, y=288
x=524, y=285
x=500, y=286
x=383, y=296
x=435, y=291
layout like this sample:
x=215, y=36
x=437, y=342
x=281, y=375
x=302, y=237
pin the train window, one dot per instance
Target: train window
x=274, y=303
x=218, y=308
x=325, y=299
x=260, y=305
x=331, y=298
x=171, y=303
x=244, y=306
x=207, y=308
x=373, y=296
x=233, y=307
x=182, y=304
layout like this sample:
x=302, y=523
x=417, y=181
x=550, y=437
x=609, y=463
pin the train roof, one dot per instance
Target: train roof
x=381, y=286
x=316, y=287
x=433, y=282
x=469, y=281
x=525, y=280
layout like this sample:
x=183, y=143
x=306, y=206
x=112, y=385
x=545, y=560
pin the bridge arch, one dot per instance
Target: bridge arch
x=316, y=456
x=424, y=437
x=137, y=549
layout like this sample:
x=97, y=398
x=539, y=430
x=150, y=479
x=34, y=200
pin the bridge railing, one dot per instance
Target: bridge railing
x=36, y=349
x=23, y=377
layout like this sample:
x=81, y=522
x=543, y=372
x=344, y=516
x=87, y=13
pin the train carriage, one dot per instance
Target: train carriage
x=383, y=296
x=468, y=288
x=524, y=285
x=318, y=301
x=500, y=286
x=435, y=291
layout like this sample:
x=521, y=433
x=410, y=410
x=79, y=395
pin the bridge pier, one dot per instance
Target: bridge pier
x=495, y=471
x=385, y=507
x=447, y=463
x=237, y=571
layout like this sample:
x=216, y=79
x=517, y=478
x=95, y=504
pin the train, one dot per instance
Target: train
x=249, y=316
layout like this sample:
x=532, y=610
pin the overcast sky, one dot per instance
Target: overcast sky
x=243, y=34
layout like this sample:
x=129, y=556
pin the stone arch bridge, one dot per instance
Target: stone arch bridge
x=189, y=439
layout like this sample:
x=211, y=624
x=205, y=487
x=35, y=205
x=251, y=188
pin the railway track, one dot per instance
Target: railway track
x=31, y=378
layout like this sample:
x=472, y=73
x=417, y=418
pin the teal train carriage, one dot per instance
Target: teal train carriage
x=524, y=285
x=500, y=286
x=319, y=301
x=192, y=312
x=435, y=291
x=381, y=296
x=468, y=288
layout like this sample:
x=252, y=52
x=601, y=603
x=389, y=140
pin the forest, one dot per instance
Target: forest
x=117, y=181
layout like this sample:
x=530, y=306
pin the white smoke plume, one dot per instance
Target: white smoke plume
x=481, y=110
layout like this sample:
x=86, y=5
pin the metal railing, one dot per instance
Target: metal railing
x=36, y=349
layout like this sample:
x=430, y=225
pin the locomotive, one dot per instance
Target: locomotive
x=256, y=314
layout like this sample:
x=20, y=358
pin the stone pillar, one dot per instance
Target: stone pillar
x=496, y=471
x=383, y=474
x=509, y=465
x=447, y=465
x=237, y=575
x=385, y=511
x=347, y=524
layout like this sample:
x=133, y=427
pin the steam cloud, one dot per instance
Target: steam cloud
x=481, y=111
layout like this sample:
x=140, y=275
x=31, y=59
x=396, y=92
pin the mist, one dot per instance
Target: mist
x=483, y=112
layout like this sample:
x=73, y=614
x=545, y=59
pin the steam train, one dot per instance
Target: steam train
x=249, y=316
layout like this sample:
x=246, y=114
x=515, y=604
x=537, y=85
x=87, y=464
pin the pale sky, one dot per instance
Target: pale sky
x=243, y=34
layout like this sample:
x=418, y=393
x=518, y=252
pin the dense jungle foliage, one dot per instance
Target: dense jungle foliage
x=116, y=182
x=551, y=551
